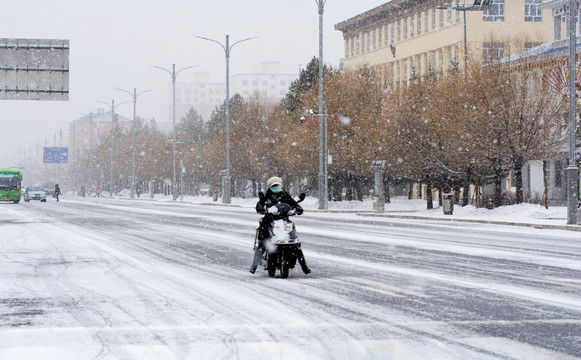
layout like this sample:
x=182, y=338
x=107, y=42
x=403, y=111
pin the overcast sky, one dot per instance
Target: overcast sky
x=114, y=42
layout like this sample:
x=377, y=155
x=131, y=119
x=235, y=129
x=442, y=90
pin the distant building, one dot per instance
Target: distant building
x=204, y=96
x=403, y=38
x=267, y=82
x=200, y=94
x=90, y=129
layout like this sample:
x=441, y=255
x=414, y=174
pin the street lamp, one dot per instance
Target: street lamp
x=173, y=75
x=226, y=176
x=323, y=198
x=478, y=5
x=324, y=150
x=572, y=170
x=113, y=106
x=134, y=95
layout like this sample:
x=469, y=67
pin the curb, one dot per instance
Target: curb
x=493, y=222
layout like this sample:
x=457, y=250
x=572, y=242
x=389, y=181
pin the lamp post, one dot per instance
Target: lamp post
x=113, y=106
x=323, y=155
x=478, y=5
x=173, y=75
x=226, y=177
x=134, y=95
x=572, y=170
x=323, y=198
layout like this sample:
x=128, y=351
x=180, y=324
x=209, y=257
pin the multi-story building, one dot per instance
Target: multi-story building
x=403, y=38
x=204, y=96
x=201, y=94
x=89, y=130
x=268, y=83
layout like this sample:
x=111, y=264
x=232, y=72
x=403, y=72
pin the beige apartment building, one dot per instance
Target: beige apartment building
x=403, y=38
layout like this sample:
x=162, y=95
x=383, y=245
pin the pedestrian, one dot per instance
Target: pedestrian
x=97, y=192
x=57, y=191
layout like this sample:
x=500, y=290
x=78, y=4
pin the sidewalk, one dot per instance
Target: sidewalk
x=529, y=215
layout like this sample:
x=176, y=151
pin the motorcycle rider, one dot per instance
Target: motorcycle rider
x=274, y=195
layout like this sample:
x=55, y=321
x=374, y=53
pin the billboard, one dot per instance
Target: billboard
x=55, y=155
x=34, y=69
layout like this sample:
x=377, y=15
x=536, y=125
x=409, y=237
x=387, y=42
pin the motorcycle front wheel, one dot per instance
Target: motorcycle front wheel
x=271, y=268
x=284, y=269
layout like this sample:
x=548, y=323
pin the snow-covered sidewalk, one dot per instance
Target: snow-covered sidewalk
x=523, y=214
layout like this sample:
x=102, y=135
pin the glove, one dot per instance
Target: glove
x=260, y=208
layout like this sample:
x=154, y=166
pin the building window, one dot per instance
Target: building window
x=352, y=46
x=374, y=40
x=347, y=48
x=357, y=45
x=245, y=83
x=449, y=16
x=379, y=36
x=458, y=11
x=405, y=28
x=533, y=11
x=558, y=174
x=413, y=26
x=392, y=38
x=399, y=30
x=441, y=59
x=495, y=11
x=441, y=19
x=419, y=65
x=434, y=22
x=427, y=21
x=405, y=70
x=530, y=45
x=420, y=23
x=386, y=35
x=450, y=58
x=492, y=51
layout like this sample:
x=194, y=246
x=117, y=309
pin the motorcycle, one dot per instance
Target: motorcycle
x=281, y=249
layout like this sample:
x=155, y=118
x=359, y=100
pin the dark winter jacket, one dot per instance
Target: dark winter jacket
x=272, y=199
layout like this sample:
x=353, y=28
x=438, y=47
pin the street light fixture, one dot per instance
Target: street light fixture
x=134, y=95
x=173, y=75
x=478, y=5
x=226, y=177
x=113, y=106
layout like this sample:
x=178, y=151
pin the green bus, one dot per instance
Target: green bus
x=10, y=185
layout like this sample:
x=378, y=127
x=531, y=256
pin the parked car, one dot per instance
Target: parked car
x=34, y=193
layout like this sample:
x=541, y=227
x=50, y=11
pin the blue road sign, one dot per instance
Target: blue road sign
x=56, y=155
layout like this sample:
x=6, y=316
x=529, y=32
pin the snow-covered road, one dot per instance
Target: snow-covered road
x=116, y=279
